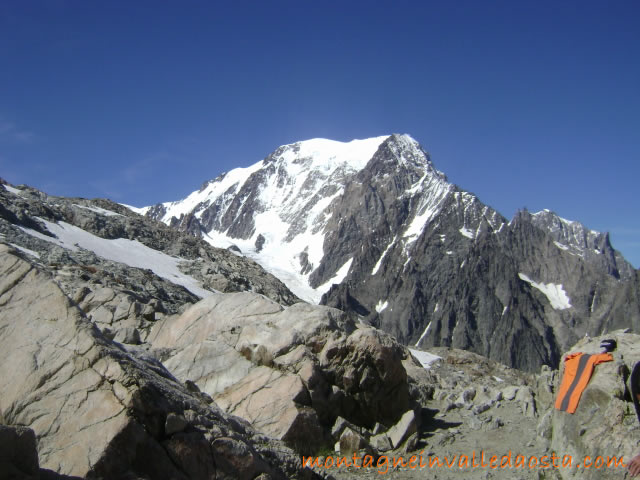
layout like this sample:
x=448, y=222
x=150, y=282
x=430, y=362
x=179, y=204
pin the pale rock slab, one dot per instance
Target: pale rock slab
x=405, y=427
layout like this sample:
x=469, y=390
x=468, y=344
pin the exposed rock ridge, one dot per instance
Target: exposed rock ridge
x=23, y=216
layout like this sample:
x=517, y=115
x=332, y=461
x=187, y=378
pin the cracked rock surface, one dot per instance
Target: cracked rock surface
x=289, y=371
x=100, y=410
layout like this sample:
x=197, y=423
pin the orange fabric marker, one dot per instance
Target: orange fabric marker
x=578, y=368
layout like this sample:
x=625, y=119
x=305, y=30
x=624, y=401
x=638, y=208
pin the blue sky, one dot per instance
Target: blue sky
x=526, y=104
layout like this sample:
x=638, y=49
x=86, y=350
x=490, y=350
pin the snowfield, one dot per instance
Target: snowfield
x=122, y=250
x=554, y=292
x=425, y=358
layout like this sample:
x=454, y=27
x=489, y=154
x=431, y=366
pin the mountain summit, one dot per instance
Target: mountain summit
x=277, y=210
x=370, y=226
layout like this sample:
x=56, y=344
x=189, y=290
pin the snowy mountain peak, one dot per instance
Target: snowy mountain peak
x=276, y=210
x=326, y=154
x=406, y=152
x=284, y=210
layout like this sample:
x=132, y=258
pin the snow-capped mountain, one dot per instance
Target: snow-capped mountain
x=276, y=210
x=371, y=227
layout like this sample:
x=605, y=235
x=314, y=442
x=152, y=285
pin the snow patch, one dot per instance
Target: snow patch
x=25, y=250
x=437, y=190
x=139, y=210
x=11, y=189
x=380, y=307
x=416, y=186
x=337, y=278
x=425, y=358
x=561, y=246
x=101, y=211
x=424, y=334
x=554, y=292
x=467, y=233
x=377, y=265
x=122, y=250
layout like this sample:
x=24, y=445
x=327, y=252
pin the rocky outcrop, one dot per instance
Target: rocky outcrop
x=100, y=410
x=605, y=423
x=288, y=371
x=480, y=405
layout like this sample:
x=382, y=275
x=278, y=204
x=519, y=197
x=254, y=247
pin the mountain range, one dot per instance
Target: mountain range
x=132, y=349
x=373, y=228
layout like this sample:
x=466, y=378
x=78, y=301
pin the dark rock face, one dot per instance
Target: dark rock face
x=595, y=247
x=429, y=262
x=259, y=242
x=18, y=454
x=470, y=293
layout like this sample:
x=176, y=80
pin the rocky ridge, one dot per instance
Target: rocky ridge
x=124, y=270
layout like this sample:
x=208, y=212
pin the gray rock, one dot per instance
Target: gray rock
x=320, y=365
x=129, y=335
x=467, y=396
x=510, y=392
x=406, y=426
x=351, y=441
x=545, y=426
x=411, y=443
x=381, y=442
x=604, y=422
x=483, y=407
x=377, y=429
x=528, y=403
x=175, y=423
x=339, y=426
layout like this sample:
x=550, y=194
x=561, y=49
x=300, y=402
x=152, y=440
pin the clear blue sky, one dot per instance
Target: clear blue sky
x=532, y=104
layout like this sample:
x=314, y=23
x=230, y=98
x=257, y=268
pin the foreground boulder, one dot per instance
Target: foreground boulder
x=289, y=371
x=605, y=423
x=101, y=411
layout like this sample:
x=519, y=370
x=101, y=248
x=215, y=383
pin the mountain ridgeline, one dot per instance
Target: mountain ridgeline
x=371, y=227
